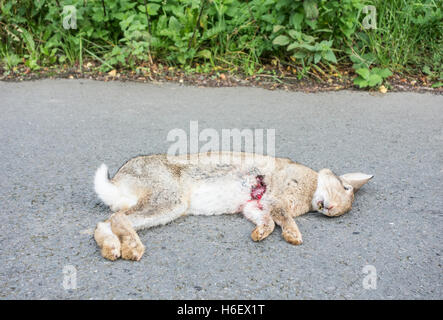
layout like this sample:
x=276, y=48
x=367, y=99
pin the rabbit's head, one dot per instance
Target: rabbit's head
x=334, y=195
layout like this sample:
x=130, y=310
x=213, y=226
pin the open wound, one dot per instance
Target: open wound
x=258, y=190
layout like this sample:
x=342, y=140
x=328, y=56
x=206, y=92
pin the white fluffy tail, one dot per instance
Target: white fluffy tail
x=105, y=190
x=109, y=193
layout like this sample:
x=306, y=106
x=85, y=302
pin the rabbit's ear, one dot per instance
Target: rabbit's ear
x=356, y=180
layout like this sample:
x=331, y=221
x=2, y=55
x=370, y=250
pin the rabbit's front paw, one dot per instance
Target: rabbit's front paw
x=261, y=232
x=292, y=236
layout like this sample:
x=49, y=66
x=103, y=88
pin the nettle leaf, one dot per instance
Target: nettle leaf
x=301, y=45
x=312, y=24
x=374, y=79
x=281, y=40
x=98, y=16
x=354, y=58
x=308, y=47
x=126, y=22
x=369, y=58
x=308, y=38
x=153, y=8
x=213, y=32
x=277, y=28
x=269, y=18
x=119, y=16
x=311, y=9
x=363, y=72
x=174, y=24
x=384, y=73
x=294, y=34
x=360, y=82
x=326, y=44
x=296, y=20
x=299, y=54
x=375, y=70
x=361, y=65
x=317, y=57
x=38, y=4
x=330, y=56
x=127, y=5
x=293, y=45
x=427, y=70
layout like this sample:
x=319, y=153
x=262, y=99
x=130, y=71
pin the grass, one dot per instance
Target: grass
x=408, y=37
x=234, y=36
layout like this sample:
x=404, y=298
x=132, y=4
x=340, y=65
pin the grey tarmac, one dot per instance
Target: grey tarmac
x=55, y=133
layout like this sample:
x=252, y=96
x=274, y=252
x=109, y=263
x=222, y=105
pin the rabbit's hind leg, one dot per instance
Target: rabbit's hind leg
x=131, y=246
x=125, y=223
x=107, y=241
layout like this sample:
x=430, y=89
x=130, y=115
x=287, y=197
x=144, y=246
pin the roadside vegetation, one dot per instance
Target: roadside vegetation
x=278, y=39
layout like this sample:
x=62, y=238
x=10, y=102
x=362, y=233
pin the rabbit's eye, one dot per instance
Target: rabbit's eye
x=347, y=188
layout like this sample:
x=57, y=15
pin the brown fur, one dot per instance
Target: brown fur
x=164, y=185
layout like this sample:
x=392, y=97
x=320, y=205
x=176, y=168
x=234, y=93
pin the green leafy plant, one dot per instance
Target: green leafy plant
x=305, y=47
x=237, y=36
x=371, y=77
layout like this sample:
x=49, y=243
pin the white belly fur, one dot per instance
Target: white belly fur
x=219, y=197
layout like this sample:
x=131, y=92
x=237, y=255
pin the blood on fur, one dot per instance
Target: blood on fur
x=258, y=190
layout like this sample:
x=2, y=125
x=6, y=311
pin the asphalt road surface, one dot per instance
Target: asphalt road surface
x=55, y=133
